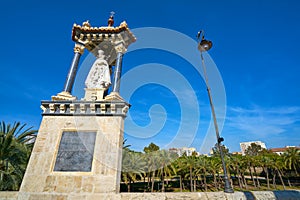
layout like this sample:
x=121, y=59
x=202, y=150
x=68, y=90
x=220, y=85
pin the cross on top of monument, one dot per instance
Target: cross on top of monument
x=111, y=19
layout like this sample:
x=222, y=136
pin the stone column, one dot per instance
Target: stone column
x=114, y=95
x=117, y=74
x=78, y=51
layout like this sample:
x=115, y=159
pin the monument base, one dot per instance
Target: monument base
x=78, y=150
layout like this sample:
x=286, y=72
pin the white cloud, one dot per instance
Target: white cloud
x=263, y=122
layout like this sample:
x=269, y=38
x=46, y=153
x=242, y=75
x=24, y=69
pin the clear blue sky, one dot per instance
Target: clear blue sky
x=255, y=49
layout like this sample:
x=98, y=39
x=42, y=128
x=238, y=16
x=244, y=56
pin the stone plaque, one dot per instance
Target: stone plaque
x=76, y=150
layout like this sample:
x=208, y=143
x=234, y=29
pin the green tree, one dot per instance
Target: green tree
x=189, y=163
x=216, y=151
x=292, y=159
x=151, y=148
x=151, y=158
x=266, y=163
x=202, y=167
x=180, y=170
x=279, y=166
x=253, y=149
x=236, y=167
x=132, y=167
x=166, y=166
x=16, y=143
x=215, y=167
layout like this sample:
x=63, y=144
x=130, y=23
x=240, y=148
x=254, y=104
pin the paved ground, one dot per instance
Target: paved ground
x=251, y=195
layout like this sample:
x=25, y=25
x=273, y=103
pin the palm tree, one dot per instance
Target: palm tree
x=16, y=143
x=180, y=170
x=266, y=163
x=250, y=161
x=235, y=165
x=292, y=159
x=132, y=167
x=215, y=164
x=151, y=158
x=166, y=167
x=278, y=166
x=203, y=165
x=189, y=162
x=243, y=168
x=256, y=163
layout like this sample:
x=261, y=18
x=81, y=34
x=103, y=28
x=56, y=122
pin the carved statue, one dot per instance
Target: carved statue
x=99, y=75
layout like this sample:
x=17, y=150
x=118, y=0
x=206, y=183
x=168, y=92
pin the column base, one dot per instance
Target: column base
x=63, y=96
x=114, y=96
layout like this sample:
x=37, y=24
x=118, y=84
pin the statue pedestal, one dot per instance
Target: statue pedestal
x=78, y=151
x=94, y=94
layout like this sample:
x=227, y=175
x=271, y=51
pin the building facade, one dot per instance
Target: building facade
x=245, y=145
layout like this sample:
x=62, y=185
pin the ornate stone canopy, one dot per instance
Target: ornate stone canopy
x=106, y=38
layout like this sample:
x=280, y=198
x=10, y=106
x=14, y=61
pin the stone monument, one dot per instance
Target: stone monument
x=78, y=150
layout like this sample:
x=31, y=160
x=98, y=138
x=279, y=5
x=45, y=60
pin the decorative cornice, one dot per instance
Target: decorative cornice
x=92, y=37
x=87, y=28
x=85, y=108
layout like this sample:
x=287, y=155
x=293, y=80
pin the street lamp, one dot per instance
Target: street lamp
x=205, y=45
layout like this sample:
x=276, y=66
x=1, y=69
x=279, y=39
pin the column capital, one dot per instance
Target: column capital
x=120, y=48
x=79, y=48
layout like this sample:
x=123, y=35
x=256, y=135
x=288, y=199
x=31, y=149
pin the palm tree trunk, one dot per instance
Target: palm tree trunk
x=180, y=183
x=163, y=181
x=215, y=181
x=149, y=179
x=251, y=174
x=191, y=178
x=219, y=181
x=295, y=168
x=280, y=177
x=1, y=173
x=128, y=186
x=274, y=180
x=245, y=182
x=257, y=180
x=289, y=182
x=267, y=176
x=204, y=179
x=152, y=185
x=195, y=183
x=239, y=177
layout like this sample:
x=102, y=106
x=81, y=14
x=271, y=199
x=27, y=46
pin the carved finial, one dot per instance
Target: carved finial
x=86, y=24
x=111, y=19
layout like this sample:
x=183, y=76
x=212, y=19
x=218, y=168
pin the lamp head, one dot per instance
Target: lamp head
x=203, y=45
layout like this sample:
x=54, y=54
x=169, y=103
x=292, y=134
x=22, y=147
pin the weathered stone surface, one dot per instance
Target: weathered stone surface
x=259, y=195
x=143, y=196
x=104, y=174
x=264, y=195
x=236, y=196
x=188, y=196
x=9, y=195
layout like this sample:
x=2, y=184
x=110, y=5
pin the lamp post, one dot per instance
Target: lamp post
x=205, y=45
